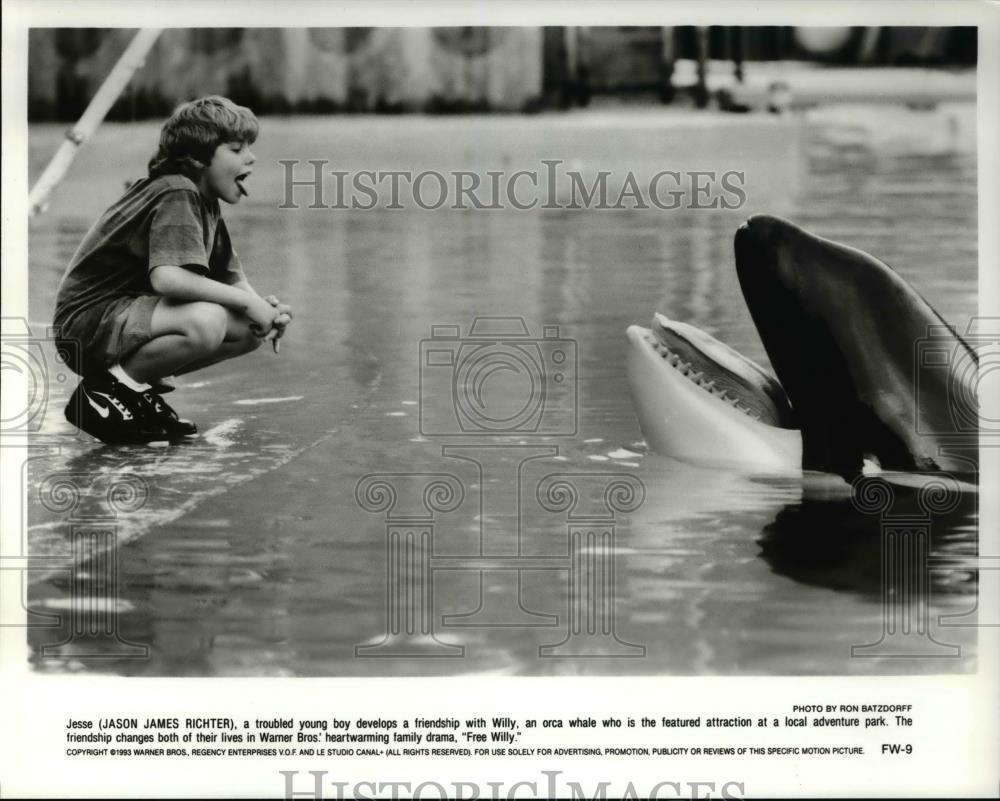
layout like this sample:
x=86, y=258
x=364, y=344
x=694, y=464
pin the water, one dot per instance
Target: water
x=248, y=552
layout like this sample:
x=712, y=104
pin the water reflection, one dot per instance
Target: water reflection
x=251, y=555
x=829, y=542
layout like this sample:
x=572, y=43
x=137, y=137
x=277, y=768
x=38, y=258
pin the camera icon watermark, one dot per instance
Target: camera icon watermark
x=504, y=393
x=31, y=367
x=499, y=380
x=951, y=367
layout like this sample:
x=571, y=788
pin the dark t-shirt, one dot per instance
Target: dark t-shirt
x=158, y=221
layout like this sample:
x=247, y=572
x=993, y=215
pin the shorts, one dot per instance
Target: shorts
x=104, y=335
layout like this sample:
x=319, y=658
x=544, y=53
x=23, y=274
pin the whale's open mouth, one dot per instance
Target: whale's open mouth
x=719, y=370
x=697, y=377
x=841, y=330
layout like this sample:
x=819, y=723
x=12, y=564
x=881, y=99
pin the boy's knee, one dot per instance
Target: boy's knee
x=251, y=342
x=206, y=326
x=243, y=339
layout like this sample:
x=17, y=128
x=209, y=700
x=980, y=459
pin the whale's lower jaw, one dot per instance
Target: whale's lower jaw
x=682, y=420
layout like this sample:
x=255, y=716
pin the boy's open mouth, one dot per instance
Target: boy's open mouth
x=239, y=182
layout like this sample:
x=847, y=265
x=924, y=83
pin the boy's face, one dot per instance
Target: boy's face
x=230, y=167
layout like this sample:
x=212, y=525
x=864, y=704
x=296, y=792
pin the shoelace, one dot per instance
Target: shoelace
x=159, y=406
x=122, y=408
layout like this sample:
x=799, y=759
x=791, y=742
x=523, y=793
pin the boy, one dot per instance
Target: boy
x=155, y=288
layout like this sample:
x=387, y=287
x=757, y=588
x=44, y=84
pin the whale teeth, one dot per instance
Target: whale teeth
x=747, y=411
x=698, y=378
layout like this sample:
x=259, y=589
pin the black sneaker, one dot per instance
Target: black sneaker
x=111, y=412
x=158, y=412
x=163, y=386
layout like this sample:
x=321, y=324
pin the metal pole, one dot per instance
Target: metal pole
x=118, y=78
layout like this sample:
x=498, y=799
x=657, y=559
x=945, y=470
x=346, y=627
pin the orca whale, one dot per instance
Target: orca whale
x=866, y=372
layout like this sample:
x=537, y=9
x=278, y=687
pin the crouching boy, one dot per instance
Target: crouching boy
x=156, y=289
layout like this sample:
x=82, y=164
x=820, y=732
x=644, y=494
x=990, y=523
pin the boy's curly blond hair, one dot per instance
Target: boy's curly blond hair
x=191, y=134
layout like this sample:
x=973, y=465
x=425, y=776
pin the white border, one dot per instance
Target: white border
x=954, y=760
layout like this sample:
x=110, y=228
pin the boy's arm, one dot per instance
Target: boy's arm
x=180, y=284
x=239, y=280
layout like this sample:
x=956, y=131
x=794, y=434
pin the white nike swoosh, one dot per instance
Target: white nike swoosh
x=101, y=410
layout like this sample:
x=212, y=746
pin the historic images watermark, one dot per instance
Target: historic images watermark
x=498, y=397
x=948, y=373
x=551, y=185
x=968, y=369
x=944, y=364
x=905, y=549
x=548, y=784
x=31, y=364
x=456, y=372
x=88, y=507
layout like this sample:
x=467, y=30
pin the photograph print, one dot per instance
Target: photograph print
x=527, y=351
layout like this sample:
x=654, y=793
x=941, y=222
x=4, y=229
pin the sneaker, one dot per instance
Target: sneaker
x=163, y=386
x=111, y=412
x=158, y=412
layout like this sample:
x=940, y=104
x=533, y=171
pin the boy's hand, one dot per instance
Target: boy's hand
x=283, y=308
x=262, y=316
x=280, y=322
x=276, y=333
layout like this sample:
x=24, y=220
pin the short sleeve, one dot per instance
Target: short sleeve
x=225, y=263
x=177, y=232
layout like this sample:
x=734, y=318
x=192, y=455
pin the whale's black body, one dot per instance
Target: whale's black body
x=870, y=371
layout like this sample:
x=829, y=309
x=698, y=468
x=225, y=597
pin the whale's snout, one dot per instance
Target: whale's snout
x=697, y=399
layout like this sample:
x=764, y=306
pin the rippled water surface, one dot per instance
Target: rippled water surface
x=255, y=550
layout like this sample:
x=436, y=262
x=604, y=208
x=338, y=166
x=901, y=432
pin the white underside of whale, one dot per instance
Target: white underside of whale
x=680, y=419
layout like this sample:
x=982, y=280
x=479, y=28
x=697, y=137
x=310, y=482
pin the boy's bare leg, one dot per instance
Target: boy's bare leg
x=227, y=350
x=188, y=336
